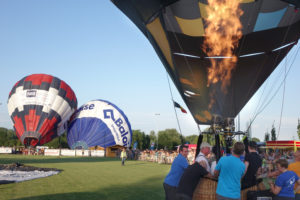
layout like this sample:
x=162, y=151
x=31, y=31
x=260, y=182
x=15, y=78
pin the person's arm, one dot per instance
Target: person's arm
x=216, y=173
x=209, y=176
x=246, y=166
x=274, y=174
x=259, y=171
x=274, y=188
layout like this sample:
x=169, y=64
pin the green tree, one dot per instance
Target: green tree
x=191, y=139
x=168, y=138
x=267, y=136
x=137, y=136
x=273, y=133
x=8, y=138
x=298, y=129
x=58, y=142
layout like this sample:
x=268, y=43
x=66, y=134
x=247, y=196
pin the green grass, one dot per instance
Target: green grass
x=87, y=178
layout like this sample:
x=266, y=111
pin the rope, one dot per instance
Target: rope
x=276, y=90
x=284, y=38
x=175, y=109
x=282, y=103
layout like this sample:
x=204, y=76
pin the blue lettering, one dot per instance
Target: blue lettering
x=124, y=134
x=124, y=139
x=91, y=107
x=109, y=114
x=122, y=130
x=118, y=122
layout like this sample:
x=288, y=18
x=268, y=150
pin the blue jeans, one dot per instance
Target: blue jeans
x=123, y=161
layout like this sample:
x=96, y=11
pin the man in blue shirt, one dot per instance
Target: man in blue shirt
x=284, y=184
x=172, y=179
x=230, y=170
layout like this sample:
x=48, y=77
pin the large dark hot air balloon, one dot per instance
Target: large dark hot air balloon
x=40, y=106
x=176, y=29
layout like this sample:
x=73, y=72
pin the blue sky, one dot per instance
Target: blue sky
x=101, y=54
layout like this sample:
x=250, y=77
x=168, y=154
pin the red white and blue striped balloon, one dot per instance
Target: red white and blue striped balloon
x=40, y=106
x=99, y=123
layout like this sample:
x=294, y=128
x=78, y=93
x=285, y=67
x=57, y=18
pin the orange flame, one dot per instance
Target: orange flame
x=223, y=32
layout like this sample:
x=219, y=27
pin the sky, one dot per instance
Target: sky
x=101, y=54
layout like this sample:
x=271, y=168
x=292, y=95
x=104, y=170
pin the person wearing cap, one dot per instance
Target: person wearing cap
x=230, y=170
x=253, y=163
x=171, y=181
x=205, y=150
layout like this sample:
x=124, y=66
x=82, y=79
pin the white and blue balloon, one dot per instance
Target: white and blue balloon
x=99, y=123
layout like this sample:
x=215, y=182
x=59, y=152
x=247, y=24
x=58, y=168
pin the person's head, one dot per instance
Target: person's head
x=123, y=149
x=205, y=148
x=238, y=148
x=252, y=145
x=282, y=164
x=297, y=156
x=183, y=150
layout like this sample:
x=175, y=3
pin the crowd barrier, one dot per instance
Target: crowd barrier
x=54, y=152
x=163, y=157
x=6, y=150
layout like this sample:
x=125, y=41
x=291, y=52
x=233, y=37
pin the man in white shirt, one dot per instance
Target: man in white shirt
x=205, y=149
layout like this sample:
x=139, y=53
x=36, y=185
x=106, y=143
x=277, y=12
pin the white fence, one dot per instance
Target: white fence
x=62, y=152
x=5, y=149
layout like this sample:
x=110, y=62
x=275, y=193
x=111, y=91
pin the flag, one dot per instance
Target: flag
x=178, y=106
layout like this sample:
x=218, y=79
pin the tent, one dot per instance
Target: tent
x=283, y=144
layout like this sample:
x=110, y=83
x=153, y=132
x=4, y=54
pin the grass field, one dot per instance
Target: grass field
x=87, y=178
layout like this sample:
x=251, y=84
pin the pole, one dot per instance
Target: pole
x=239, y=128
x=156, y=114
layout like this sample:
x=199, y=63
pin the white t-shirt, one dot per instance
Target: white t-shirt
x=201, y=157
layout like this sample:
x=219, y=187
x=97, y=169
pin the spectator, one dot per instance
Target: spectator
x=284, y=184
x=253, y=163
x=295, y=167
x=230, y=170
x=205, y=150
x=172, y=179
x=123, y=156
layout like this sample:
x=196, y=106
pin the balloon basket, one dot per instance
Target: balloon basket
x=206, y=189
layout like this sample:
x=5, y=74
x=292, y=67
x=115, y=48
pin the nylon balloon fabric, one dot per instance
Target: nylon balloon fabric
x=177, y=31
x=99, y=123
x=40, y=106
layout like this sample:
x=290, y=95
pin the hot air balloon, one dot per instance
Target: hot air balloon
x=187, y=34
x=177, y=31
x=99, y=123
x=40, y=106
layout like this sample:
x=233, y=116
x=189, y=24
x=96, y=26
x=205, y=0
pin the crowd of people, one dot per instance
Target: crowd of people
x=243, y=168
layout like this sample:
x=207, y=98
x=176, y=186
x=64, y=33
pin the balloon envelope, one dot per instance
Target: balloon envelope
x=99, y=123
x=175, y=28
x=40, y=106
